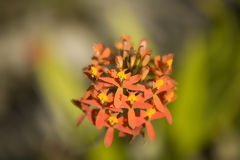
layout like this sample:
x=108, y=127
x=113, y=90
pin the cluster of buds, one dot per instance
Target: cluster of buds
x=129, y=89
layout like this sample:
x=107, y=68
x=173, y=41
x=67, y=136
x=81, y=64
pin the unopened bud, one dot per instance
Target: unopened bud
x=146, y=60
x=125, y=45
x=143, y=44
x=138, y=60
x=119, y=61
x=125, y=55
x=144, y=72
x=142, y=47
x=97, y=48
x=132, y=60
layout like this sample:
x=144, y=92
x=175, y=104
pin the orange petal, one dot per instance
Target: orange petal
x=122, y=134
x=95, y=93
x=141, y=105
x=88, y=92
x=112, y=108
x=150, y=131
x=157, y=60
x=112, y=73
x=80, y=119
x=137, y=87
x=110, y=97
x=139, y=121
x=119, y=45
x=109, y=137
x=168, y=116
x=89, y=114
x=106, y=53
x=134, y=79
x=157, y=115
x=91, y=102
x=148, y=93
x=98, y=47
x=131, y=118
x=117, y=98
x=100, y=119
x=158, y=103
x=167, y=57
x=109, y=80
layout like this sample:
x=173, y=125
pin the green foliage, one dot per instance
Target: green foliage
x=208, y=77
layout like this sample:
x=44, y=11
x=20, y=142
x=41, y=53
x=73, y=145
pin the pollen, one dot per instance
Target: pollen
x=93, y=71
x=150, y=112
x=102, y=97
x=159, y=83
x=112, y=120
x=169, y=62
x=170, y=96
x=132, y=98
x=121, y=75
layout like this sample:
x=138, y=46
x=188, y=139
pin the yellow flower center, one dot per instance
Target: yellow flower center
x=121, y=75
x=169, y=62
x=93, y=71
x=170, y=96
x=159, y=83
x=132, y=98
x=150, y=112
x=112, y=120
x=102, y=97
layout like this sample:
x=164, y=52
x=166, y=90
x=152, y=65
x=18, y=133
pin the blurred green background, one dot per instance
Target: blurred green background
x=45, y=44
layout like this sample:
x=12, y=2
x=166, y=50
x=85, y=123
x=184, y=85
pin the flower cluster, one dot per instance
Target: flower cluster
x=129, y=89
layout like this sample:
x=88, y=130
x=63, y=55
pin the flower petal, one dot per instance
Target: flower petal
x=131, y=118
x=168, y=116
x=157, y=115
x=148, y=93
x=114, y=109
x=156, y=61
x=90, y=114
x=109, y=137
x=117, y=98
x=98, y=47
x=91, y=102
x=134, y=79
x=142, y=105
x=106, y=53
x=100, y=119
x=109, y=80
x=140, y=120
x=158, y=103
x=122, y=134
x=137, y=87
x=80, y=119
x=150, y=131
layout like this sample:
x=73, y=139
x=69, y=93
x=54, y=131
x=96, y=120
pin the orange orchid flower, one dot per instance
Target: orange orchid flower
x=112, y=123
x=129, y=89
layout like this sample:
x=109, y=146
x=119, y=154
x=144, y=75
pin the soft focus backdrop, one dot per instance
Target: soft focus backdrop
x=45, y=44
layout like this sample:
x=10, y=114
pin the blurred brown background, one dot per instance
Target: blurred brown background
x=45, y=44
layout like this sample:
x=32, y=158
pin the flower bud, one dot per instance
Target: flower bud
x=132, y=60
x=125, y=55
x=142, y=47
x=144, y=72
x=146, y=60
x=119, y=61
x=143, y=44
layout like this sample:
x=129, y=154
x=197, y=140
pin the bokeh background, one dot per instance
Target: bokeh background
x=44, y=45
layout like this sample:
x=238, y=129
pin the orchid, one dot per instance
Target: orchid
x=129, y=89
